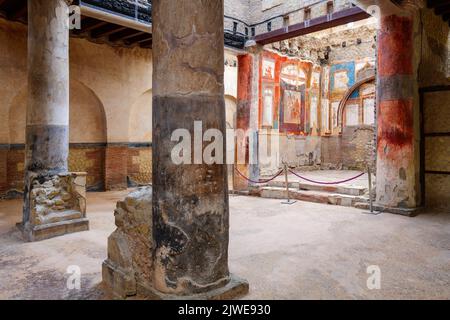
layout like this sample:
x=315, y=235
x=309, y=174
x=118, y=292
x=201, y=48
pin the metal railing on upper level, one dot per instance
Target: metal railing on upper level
x=139, y=10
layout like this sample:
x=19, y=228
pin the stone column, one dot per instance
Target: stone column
x=51, y=208
x=398, y=160
x=190, y=201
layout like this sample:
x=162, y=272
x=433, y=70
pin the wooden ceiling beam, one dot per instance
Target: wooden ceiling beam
x=106, y=30
x=140, y=38
x=125, y=34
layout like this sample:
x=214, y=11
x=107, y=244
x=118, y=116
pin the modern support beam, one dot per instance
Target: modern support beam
x=313, y=25
x=190, y=201
x=50, y=208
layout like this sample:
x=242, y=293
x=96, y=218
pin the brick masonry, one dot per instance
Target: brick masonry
x=107, y=168
x=89, y=159
x=3, y=170
x=139, y=165
x=354, y=150
x=116, y=167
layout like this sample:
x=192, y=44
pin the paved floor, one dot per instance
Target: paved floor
x=302, y=251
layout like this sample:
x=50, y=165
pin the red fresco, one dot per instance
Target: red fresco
x=245, y=63
x=395, y=47
x=244, y=93
x=395, y=128
x=265, y=80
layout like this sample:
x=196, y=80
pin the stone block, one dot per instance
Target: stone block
x=130, y=247
x=56, y=205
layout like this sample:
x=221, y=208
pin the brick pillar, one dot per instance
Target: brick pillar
x=116, y=167
x=398, y=182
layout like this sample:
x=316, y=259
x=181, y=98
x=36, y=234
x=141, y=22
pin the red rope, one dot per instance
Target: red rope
x=326, y=183
x=260, y=181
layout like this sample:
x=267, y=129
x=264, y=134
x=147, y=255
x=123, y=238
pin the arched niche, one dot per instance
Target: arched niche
x=87, y=134
x=345, y=99
x=87, y=116
x=140, y=122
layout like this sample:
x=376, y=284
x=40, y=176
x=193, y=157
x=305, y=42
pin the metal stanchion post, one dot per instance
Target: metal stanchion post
x=287, y=186
x=372, y=211
x=370, y=189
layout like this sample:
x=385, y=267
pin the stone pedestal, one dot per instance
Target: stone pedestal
x=130, y=247
x=54, y=201
x=57, y=206
x=129, y=270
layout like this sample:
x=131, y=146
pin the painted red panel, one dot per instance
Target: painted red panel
x=395, y=128
x=280, y=62
x=245, y=63
x=395, y=46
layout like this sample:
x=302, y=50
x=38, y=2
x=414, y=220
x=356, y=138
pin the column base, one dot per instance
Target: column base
x=235, y=289
x=123, y=285
x=408, y=212
x=52, y=230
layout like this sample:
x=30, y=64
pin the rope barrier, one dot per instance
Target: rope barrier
x=327, y=183
x=260, y=181
x=298, y=176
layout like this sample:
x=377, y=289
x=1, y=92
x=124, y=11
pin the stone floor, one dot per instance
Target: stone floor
x=302, y=251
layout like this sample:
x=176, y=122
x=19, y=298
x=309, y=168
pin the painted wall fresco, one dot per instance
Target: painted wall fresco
x=284, y=87
x=300, y=100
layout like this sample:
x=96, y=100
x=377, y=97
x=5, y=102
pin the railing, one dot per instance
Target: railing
x=140, y=10
x=235, y=39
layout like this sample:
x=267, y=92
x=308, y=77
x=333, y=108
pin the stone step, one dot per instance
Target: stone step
x=313, y=196
x=341, y=189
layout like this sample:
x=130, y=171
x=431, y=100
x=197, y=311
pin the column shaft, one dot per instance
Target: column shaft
x=54, y=200
x=397, y=149
x=190, y=201
x=47, y=131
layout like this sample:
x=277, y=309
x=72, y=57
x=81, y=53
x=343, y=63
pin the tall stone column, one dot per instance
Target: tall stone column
x=190, y=201
x=398, y=160
x=52, y=206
